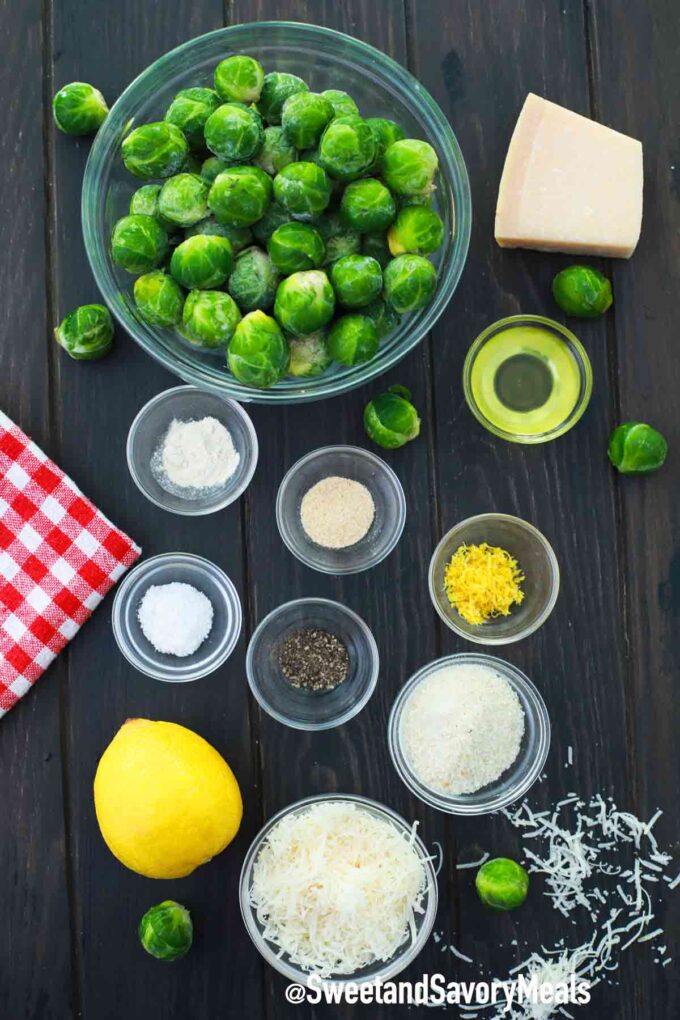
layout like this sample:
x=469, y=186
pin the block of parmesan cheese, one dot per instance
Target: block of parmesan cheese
x=569, y=184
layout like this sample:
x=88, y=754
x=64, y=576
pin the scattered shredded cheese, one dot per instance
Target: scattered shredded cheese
x=483, y=582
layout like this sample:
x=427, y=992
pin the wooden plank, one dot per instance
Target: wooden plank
x=34, y=938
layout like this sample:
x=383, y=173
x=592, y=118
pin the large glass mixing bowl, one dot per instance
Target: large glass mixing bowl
x=325, y=59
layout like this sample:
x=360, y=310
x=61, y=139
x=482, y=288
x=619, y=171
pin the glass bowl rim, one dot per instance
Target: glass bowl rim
x=439, y=131
x=580, y=356
x=252, y=446
x=400, y=960
x=459, y=805
x=349, y=713
x=205, y=566
x=554, y=567
x=378, y=463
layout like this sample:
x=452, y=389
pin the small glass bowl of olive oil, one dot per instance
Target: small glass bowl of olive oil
x=527, y=379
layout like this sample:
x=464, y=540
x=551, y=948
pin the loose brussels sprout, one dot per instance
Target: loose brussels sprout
x=309, y=355
x=410, y=282
x=342, y=103
x=357, y=280
x=202, y=262
x=383, y=316
x=159, y=298
x=239, y=197
x=409, y=166
x=636, y=448
x=367, y=206
x=79, y=109
x=278, y=87
x=582, y=291
x=86, y=333
x=390, y=419
x=209, y=318
x=240, y=237
x=303, y=189
x=234, y=132
x=305, y=302
x=416, y=231
x=303, y=118
x=274, y=216
x=239, y=79
x=276, y=152
x=213, y=166
x=138, y=243
x=502, y=884
x=376, y=246
x=258, y=353
x=385, y=133
x=338, y=237
x=189, y=111
x=347, y=148
x=155, y=150
x=296, y=246
x=352, y=339
x=166, y=931
x=183, y=200
x=253, y=280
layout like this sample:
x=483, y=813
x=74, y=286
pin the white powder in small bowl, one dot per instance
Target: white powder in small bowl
x=176, y=618
x=194, y=456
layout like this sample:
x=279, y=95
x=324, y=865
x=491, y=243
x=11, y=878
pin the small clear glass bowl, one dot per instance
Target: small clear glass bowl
x=516, y=781
x=188, y=569
x=381, y=971
x=535, y=558
x=361, y=466
x=189, y=403
x=299, y=708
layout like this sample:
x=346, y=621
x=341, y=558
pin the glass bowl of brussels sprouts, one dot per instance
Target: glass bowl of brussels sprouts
x=294, y=207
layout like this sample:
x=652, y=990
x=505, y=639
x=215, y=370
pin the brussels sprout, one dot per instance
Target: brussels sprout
x=410, y=282
x=385, y=132
x=383, y=316
x=376, y=246
x=138, y=243
x=352, y=339
x=155, y=150
x=343, y=104
x=234, y=132
x=312, y=156
x=367, y=206
x=166, y=931
x=202, y=262
x=86, y=333
x=276, y=152
x=159, y=298
x=309, y=355
x=357, y=280
x=636, y=448
x=390, y=419
x=239, y=79
x=303, y=189
x=209, y=318
x=189, y=111
x=273, y=218
x=502, y=884
x=296, y=246
x=253, y=280
x=193, y=165
x=240, y=237
x=240, y=196
x=347, y=148
x=183, y=200
x=416, y=230
x=409, y=166
x=258, y=353
x=305, y=302
x=338, y=237
x=144, y=201
x=213, y=166
x=425, y=201
x=582, y=291
x=278, y=87
x=303, y=118
x=79, y=109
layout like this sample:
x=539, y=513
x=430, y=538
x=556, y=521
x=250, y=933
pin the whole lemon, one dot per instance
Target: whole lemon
x=166, y=800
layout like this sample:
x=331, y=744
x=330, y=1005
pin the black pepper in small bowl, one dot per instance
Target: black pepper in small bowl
x=315, y=660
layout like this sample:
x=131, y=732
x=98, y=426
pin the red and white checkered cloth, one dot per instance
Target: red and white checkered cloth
x=59, y=556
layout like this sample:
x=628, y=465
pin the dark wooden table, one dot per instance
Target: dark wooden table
x=608, y=659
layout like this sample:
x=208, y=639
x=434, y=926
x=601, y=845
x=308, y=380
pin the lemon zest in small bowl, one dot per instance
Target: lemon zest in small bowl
x=483, y=582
